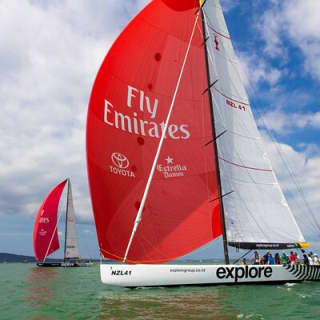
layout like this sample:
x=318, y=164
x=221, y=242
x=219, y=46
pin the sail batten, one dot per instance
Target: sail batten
x=227, y=36
x=232, y=99
x=244, y=166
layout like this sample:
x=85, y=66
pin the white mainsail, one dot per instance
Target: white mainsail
x=256, y=211
x=71, y=241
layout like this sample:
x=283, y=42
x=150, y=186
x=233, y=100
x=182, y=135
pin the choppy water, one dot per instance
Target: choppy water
x=29, y=292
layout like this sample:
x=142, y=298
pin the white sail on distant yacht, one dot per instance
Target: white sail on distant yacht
x=175, y=159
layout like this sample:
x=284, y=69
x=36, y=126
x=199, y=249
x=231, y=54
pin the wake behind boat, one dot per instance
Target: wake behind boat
x=175, y=159
x=45, y=232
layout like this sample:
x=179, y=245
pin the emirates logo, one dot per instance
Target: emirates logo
x=119, y=160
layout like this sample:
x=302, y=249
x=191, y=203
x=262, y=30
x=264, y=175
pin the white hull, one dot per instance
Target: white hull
x=178, y=275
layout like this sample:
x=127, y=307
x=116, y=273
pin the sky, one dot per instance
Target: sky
x=50, y=52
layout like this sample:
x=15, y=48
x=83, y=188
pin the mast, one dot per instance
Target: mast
x=224, y=233
x=66, y=227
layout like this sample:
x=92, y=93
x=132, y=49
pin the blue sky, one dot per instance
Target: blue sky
x=50, y=53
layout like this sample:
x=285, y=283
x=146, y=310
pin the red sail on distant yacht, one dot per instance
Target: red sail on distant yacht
x=45, y=233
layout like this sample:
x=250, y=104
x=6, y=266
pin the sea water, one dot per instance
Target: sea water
x=30, y=292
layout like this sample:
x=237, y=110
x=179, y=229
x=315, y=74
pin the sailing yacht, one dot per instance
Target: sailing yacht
x=45, y=232
x=175, y=159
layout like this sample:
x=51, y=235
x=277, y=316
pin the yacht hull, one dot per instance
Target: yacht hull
x=64, y=264
x=181, y=275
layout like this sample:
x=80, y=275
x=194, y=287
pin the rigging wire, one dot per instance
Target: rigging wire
x=244, y=255
x=291, y=173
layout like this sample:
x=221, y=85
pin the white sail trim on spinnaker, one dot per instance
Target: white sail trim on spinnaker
x=256, y=211
x=71, y=242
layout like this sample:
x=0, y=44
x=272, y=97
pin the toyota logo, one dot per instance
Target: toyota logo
x=119, y=160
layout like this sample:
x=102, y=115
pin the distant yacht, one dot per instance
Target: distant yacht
x=45, y=231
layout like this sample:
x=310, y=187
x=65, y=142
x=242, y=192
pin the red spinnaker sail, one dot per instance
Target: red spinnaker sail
x=128, y=107
x=45, y=233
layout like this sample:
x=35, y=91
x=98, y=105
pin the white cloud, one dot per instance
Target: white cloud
x=274, y=120
x=269, y=26
x=50, y=53
x=255, y=70
x=228, y=5
x=284, y=123
x=299, y=176
x=296, y=21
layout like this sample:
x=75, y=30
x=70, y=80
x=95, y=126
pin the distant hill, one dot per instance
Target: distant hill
x=9, y=257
